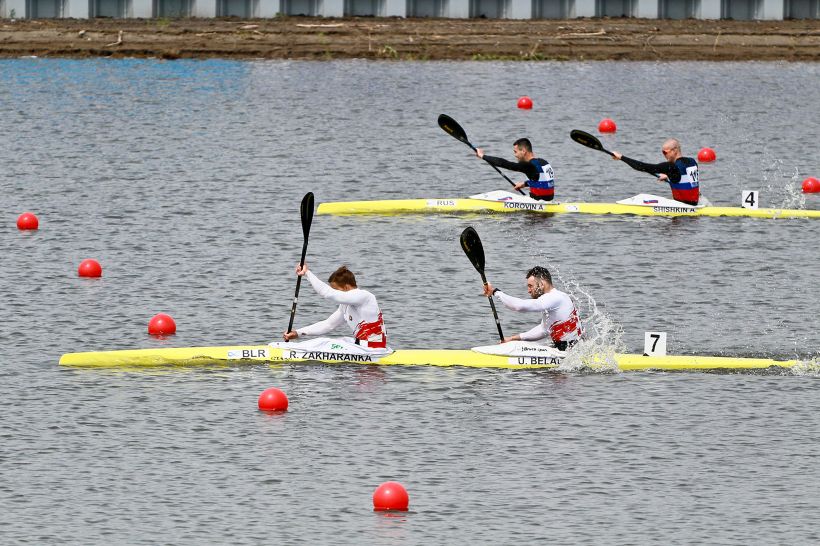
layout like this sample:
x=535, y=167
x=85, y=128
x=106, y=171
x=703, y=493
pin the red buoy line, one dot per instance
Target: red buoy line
x=607, y=126
x=162, y=325
x=706, y=155
x=273, y=399
x=89, y=268
x=391, y=496
x=811, y=185
x=27, y=221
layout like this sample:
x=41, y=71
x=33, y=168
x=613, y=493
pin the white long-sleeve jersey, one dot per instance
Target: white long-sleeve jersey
x=560, y=317
x=358, y=308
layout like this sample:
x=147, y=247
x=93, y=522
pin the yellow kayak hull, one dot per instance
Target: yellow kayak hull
x=250, y=354
x=409, y=206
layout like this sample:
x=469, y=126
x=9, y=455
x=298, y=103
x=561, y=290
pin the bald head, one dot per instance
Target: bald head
x=671, y=149
x=672, y=143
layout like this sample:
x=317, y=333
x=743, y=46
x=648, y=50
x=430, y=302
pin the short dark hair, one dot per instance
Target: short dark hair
x=540, y=273
x=523, y=143
x=343, y=277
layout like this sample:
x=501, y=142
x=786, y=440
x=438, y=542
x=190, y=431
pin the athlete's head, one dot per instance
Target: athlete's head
x=521, y=148
x=539, y=281
x=671, y=150
x=342, y=279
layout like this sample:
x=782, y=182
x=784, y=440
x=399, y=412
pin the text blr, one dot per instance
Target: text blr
x=248, y=354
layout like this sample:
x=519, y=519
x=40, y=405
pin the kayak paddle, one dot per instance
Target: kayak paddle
x=306, y=210
x=471, y=245
x=452, y=128
x=585, y=139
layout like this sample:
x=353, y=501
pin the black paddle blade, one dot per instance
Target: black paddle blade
x=471, y=244
x=307, y=213
x=452, y=128
x=585, y=139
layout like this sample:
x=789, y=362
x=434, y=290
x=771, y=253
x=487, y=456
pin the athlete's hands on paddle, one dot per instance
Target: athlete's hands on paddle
x=301, y=270
x=480, y=154
x=488, y=291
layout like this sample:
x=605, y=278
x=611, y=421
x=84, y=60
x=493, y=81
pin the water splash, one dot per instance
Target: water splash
x=810, y=368
x=602, y=336
x=792, y=193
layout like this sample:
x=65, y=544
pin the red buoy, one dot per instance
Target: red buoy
x=162, y=325
x=811, y=185
x=391, y=496
x=273, y=399
x=27, y=220
x=706, y=155
x=89, y=268
x=607, y=126
x=525, y=103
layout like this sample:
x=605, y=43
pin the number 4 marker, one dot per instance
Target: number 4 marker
x=748, y=199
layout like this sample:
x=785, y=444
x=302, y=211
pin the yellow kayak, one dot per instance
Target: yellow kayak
x=250, y=354
x=501, y=201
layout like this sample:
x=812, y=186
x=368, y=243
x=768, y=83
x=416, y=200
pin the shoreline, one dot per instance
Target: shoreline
x=315, y=38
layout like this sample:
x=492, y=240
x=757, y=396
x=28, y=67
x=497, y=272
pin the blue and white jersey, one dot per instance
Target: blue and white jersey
x=544, y=186
x=687, y=189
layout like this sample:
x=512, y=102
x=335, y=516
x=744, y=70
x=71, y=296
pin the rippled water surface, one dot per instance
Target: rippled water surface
x=184, y=179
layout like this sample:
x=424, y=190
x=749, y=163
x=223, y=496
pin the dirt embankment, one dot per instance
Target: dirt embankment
x=414, y=39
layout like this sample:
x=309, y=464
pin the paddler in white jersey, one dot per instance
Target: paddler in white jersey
x=560, y=317
x=358, y=308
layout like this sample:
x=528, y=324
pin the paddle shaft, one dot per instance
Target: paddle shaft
x=492, y=306
x=502, y=174
x=452, y=128
x=298, y=285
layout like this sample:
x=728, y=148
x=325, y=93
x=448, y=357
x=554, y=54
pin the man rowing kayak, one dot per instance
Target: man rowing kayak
x=540, y=176
x=680, y=172
x=560, y=317
x=357, y=307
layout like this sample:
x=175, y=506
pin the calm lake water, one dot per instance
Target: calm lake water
x=184, y=180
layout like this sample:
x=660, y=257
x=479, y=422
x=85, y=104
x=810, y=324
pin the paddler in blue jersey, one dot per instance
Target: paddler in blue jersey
x=680, y=172
x=540, y=176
